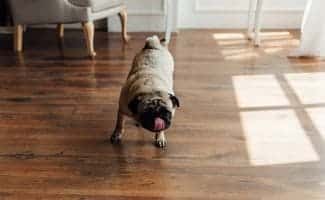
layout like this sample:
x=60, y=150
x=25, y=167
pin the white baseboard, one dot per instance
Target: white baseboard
x=6, y=30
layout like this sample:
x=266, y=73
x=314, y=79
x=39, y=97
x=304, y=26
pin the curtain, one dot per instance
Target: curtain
x=313, y=31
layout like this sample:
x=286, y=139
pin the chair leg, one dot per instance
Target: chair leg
x=60, y=29
x=89, y=31
x=168, y=21
x=251, y=17
x=124, y=17
x=18, y=38
x=258, y=22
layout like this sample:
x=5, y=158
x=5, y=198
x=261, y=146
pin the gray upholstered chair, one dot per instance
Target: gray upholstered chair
x=33, y=12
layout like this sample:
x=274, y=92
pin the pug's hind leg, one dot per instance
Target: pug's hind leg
x=119, y=129
x=161, y=140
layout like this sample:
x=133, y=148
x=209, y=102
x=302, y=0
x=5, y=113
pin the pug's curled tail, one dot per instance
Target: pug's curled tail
x=153, y=43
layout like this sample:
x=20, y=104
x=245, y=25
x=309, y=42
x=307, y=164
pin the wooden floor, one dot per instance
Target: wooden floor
x=250, y=126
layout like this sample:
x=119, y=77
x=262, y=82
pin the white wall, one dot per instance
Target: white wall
x=148, y=15
x=233, y=13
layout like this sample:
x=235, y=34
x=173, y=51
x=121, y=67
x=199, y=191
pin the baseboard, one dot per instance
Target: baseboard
x=6, y=30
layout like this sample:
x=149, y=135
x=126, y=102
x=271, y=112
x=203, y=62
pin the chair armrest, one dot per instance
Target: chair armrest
x=81, y=3
x=93, y=3
x=43, y=11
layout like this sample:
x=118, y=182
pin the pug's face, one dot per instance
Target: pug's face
x=154, y=111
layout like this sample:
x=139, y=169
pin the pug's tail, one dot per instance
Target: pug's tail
x=164, y=42
x=154, y=43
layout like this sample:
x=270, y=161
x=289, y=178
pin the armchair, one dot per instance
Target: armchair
x=32, y=12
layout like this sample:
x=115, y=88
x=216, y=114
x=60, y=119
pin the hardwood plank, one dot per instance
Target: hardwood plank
x=57, y=109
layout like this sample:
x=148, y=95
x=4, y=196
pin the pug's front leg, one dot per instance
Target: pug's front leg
x=119, y=129
x=161, y=140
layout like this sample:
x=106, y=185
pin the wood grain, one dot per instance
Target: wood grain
x=57, y=109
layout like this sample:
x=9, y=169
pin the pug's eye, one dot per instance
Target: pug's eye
x=133, y=105
x=153, y=102
x=174, y=100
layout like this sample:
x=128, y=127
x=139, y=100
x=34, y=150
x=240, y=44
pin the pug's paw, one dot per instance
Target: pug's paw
x=116, y=138
x=161, y=141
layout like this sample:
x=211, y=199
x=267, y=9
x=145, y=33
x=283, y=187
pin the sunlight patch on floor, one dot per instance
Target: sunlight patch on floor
x=243, y=36
x=276, y=137
x=229, y=36
x=232, y=42
x=258, y=91
x=278, y=39
x=273, y=50
x=282, y=34
x=280, y=43
x=242, y=56
x=238, y=53
x=317, y=115
x=235, y=51
x=309, y=87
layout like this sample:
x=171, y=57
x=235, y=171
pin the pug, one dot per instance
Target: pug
x=148, y=96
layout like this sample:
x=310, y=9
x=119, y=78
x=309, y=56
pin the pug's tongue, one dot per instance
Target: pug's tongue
x=159, y=124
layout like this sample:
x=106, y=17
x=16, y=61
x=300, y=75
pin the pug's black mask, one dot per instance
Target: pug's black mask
x=154, y=111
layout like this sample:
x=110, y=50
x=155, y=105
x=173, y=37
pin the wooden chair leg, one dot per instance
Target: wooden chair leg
x=18, y=38
x=89, y=31
x=60, y=28
x=124, y=17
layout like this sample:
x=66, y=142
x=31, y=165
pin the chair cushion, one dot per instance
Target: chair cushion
x=98, y=5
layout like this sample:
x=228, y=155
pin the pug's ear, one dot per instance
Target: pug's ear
x=133, y=105
x=174, y=100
